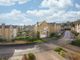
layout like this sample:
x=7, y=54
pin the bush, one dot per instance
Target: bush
x=75, y=33
x=2, y=40
x=29, y=39
x=31, y=56
x=54, y=35
x=76, y=43
x=23, y=38
x=60, y=51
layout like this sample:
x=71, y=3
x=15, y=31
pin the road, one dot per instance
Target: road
x=67, y=38
x=67, y=35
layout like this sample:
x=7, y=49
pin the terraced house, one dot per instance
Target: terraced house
x=8, y=32
x=45, y=29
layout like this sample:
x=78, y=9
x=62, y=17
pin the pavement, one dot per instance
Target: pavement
x=66, y=39
x=48, y=55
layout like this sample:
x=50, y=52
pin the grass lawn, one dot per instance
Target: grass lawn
x=39, y=41
x=24, y=40
x=28, y=39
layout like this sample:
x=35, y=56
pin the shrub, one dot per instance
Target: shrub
x=23, y=38
x=52, y=34
x=60, y=51
x=56, y=35
x=2, y=40
x=30, y=39
x=76, y=43
x=31, y=56
x=75, y=33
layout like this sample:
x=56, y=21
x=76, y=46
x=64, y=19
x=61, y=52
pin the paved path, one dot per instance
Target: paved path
x=48, y=55
x=67, y=38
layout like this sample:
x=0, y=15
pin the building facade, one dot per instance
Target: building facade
x=8, y=32
x=45, y=29
x=76, y=28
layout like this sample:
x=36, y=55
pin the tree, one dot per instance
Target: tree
x=38, y=34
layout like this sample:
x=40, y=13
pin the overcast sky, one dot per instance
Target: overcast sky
x=30, y=11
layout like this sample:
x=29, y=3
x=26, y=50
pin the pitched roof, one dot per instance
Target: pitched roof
x=8, y=26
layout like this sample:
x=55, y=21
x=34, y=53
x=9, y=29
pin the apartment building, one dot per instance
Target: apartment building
x=45, y=29
x=75, y=26
x=8, y=32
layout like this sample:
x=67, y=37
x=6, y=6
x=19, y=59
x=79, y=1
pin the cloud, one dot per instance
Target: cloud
x=63, y=16
x=32, y=16
x=54, y=16
x=56, y=11
x=39, y=12
x=12, y=2
x=15, y=17
x=56, y=3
